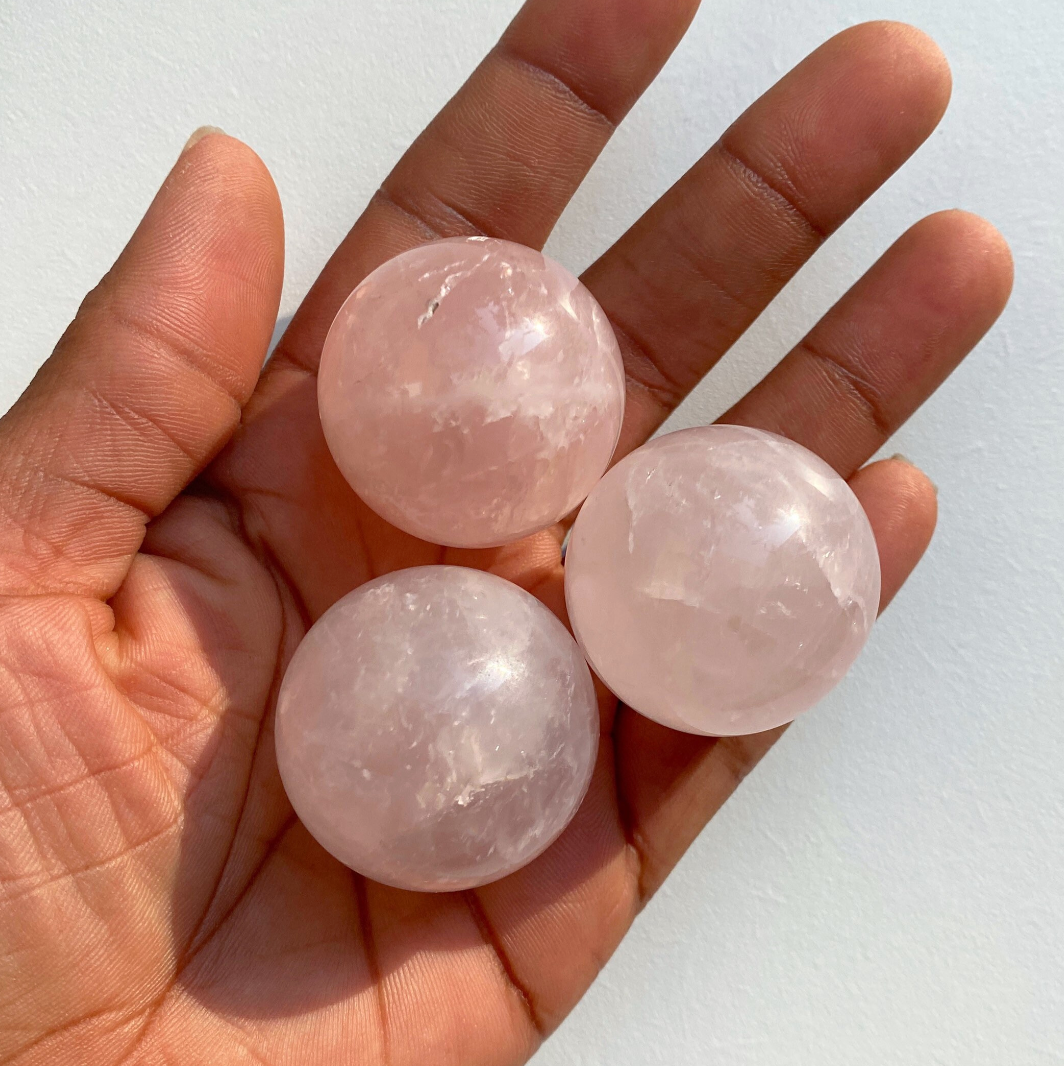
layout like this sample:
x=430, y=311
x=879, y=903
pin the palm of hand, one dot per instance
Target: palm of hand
x=160, y=902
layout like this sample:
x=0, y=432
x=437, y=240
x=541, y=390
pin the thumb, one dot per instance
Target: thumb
x=148, y=382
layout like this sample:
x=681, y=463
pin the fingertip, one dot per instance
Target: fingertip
x=901, y=502
x=231, y=172
x=909, y=54
x=983, y=246
x=970, y=263
x=891, y=63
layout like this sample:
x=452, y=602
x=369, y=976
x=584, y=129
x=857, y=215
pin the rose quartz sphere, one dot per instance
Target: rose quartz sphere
x=721, y=580
x=471, y=391
x=437, y=728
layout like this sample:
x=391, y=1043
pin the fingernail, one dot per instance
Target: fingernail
x=203, y=131
x=898, y=457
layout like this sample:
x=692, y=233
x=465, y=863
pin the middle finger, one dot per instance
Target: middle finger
x=688, y=278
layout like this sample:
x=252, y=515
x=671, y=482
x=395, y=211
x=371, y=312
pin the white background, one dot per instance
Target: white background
x=889, y=886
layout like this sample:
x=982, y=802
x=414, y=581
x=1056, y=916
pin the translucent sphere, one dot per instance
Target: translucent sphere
x=437, y=728
x=721, y=580
x=471, y=391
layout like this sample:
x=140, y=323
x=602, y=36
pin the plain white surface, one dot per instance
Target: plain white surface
x=889, y=886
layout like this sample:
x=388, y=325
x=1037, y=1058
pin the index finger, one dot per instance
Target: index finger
x=505, y=156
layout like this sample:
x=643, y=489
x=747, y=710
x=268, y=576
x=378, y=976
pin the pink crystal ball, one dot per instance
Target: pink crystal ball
x=436, y=728
x=471, y=391
x=721, y=580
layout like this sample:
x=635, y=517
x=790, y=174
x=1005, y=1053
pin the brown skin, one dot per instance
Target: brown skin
x=171, y=522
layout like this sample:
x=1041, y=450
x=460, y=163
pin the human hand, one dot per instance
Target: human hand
x=171, y=523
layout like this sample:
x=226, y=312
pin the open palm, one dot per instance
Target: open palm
x=171, y=523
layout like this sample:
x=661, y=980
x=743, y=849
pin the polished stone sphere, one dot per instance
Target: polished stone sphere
x=437, y=728
x=721, y=580
x=471, y=391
